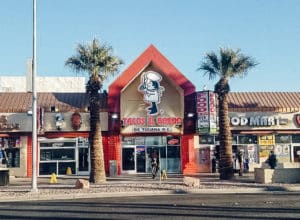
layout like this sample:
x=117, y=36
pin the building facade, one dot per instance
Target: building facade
x=150, y=109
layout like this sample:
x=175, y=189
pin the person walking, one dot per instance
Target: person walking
x=272, y=160
x=240, y=157
x=154, y=164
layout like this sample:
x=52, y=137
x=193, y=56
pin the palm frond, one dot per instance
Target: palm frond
x=243, y=65
x=210, y=65
x=96, y=59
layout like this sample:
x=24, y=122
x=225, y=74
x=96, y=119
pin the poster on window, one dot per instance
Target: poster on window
x=206, y=112
x=253, y=154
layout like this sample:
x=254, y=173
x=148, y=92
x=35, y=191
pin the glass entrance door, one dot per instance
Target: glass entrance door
x=140, y=159
x=128, y=159
x=83, y=154
x=137, y=153
x=83, y=161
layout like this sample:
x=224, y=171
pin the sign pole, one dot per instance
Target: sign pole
x=34, y=106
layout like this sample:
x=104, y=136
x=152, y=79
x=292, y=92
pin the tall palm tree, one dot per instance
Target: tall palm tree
x=97, y=60
x=228, y=64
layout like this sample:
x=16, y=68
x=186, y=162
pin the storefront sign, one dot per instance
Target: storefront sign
x=266, y=140
x=152, y=121
x=256, y=121
x=152, y=90
x=151, y=129
x=206, y=112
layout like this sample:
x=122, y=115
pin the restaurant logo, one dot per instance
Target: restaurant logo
x=297, y=117
x=152, y=90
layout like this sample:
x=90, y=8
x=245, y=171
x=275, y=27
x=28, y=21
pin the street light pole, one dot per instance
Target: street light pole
x=34, y=106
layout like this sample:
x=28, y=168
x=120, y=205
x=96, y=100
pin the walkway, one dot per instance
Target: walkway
x=19, y=189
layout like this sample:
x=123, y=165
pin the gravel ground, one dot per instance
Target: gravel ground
x=19, y=189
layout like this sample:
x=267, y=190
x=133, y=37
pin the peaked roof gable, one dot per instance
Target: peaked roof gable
x=150, y=56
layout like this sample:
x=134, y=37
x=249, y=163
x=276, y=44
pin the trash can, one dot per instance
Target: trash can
x=4, y=177
x=113, y=168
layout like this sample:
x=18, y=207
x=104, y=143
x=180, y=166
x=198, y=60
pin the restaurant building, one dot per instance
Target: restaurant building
x=150, y=109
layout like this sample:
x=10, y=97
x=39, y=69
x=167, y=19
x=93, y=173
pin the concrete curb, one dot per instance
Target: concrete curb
x=36, y=196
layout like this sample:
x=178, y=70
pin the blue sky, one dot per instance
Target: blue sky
x=267, y=30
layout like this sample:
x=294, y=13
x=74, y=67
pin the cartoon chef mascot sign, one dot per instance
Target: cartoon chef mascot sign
x=150, y=86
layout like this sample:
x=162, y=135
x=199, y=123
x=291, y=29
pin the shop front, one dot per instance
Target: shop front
x=151, y=124
x=150, y=98
x=137, y=153
x=14, y=140
x=255, y=133
x=63, y=146
x=150, y=109
x=64, y=156
x=267, y=131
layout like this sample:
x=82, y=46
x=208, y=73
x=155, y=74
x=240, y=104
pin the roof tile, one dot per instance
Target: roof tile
x=21, y=102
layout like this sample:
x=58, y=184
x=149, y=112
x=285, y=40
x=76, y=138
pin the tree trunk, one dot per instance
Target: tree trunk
x=225, y=164
x=97, y=173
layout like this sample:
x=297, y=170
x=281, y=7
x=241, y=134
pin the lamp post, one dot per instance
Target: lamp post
x=34, y=106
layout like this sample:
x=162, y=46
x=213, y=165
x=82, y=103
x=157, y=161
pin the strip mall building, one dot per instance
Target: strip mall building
x=151, y=107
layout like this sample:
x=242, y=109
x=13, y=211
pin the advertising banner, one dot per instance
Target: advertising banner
x=206, y=112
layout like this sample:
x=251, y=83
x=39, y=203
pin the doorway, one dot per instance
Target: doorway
x=296, y=153
x=128, y=159
x=133, y=159
x=137, y=151
x=83, y=161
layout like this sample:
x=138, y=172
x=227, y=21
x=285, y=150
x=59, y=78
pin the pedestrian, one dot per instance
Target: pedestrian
x=214, y=165
x=240, y=162
x=246, y=165
x=272, y=160
x=154, y=163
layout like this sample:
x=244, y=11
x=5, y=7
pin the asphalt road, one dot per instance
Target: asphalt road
x=187, y=206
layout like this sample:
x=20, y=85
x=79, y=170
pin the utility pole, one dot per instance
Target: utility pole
x=34, y=106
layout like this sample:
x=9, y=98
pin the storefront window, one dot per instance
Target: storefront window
x=234, y=139
x=57, y=157
x=296, y=138
x=173, y=140
x=137, y=151
x=282, y=139
x=128, y=140
x=154, y=140
x=11, y=147
x=173, y=161
x=57, y=154
x=206, y=139
x=247, y=139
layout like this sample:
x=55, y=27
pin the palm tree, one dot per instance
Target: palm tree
x=230, y=63
x=97, y=60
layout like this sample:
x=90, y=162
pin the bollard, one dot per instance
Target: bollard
x=53, y=178
x=164, y=175
x=69, y=171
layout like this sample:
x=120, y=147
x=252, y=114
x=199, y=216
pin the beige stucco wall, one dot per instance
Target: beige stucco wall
x=133, y=105
x=25, y=121
x=43, y=84
x=49, y=120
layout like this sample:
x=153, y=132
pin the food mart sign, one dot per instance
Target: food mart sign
x=263, y=120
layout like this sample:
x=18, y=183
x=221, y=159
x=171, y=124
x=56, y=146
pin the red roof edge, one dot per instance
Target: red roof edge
x=151, y=54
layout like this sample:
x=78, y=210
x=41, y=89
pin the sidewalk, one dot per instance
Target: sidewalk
x=19, y=189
